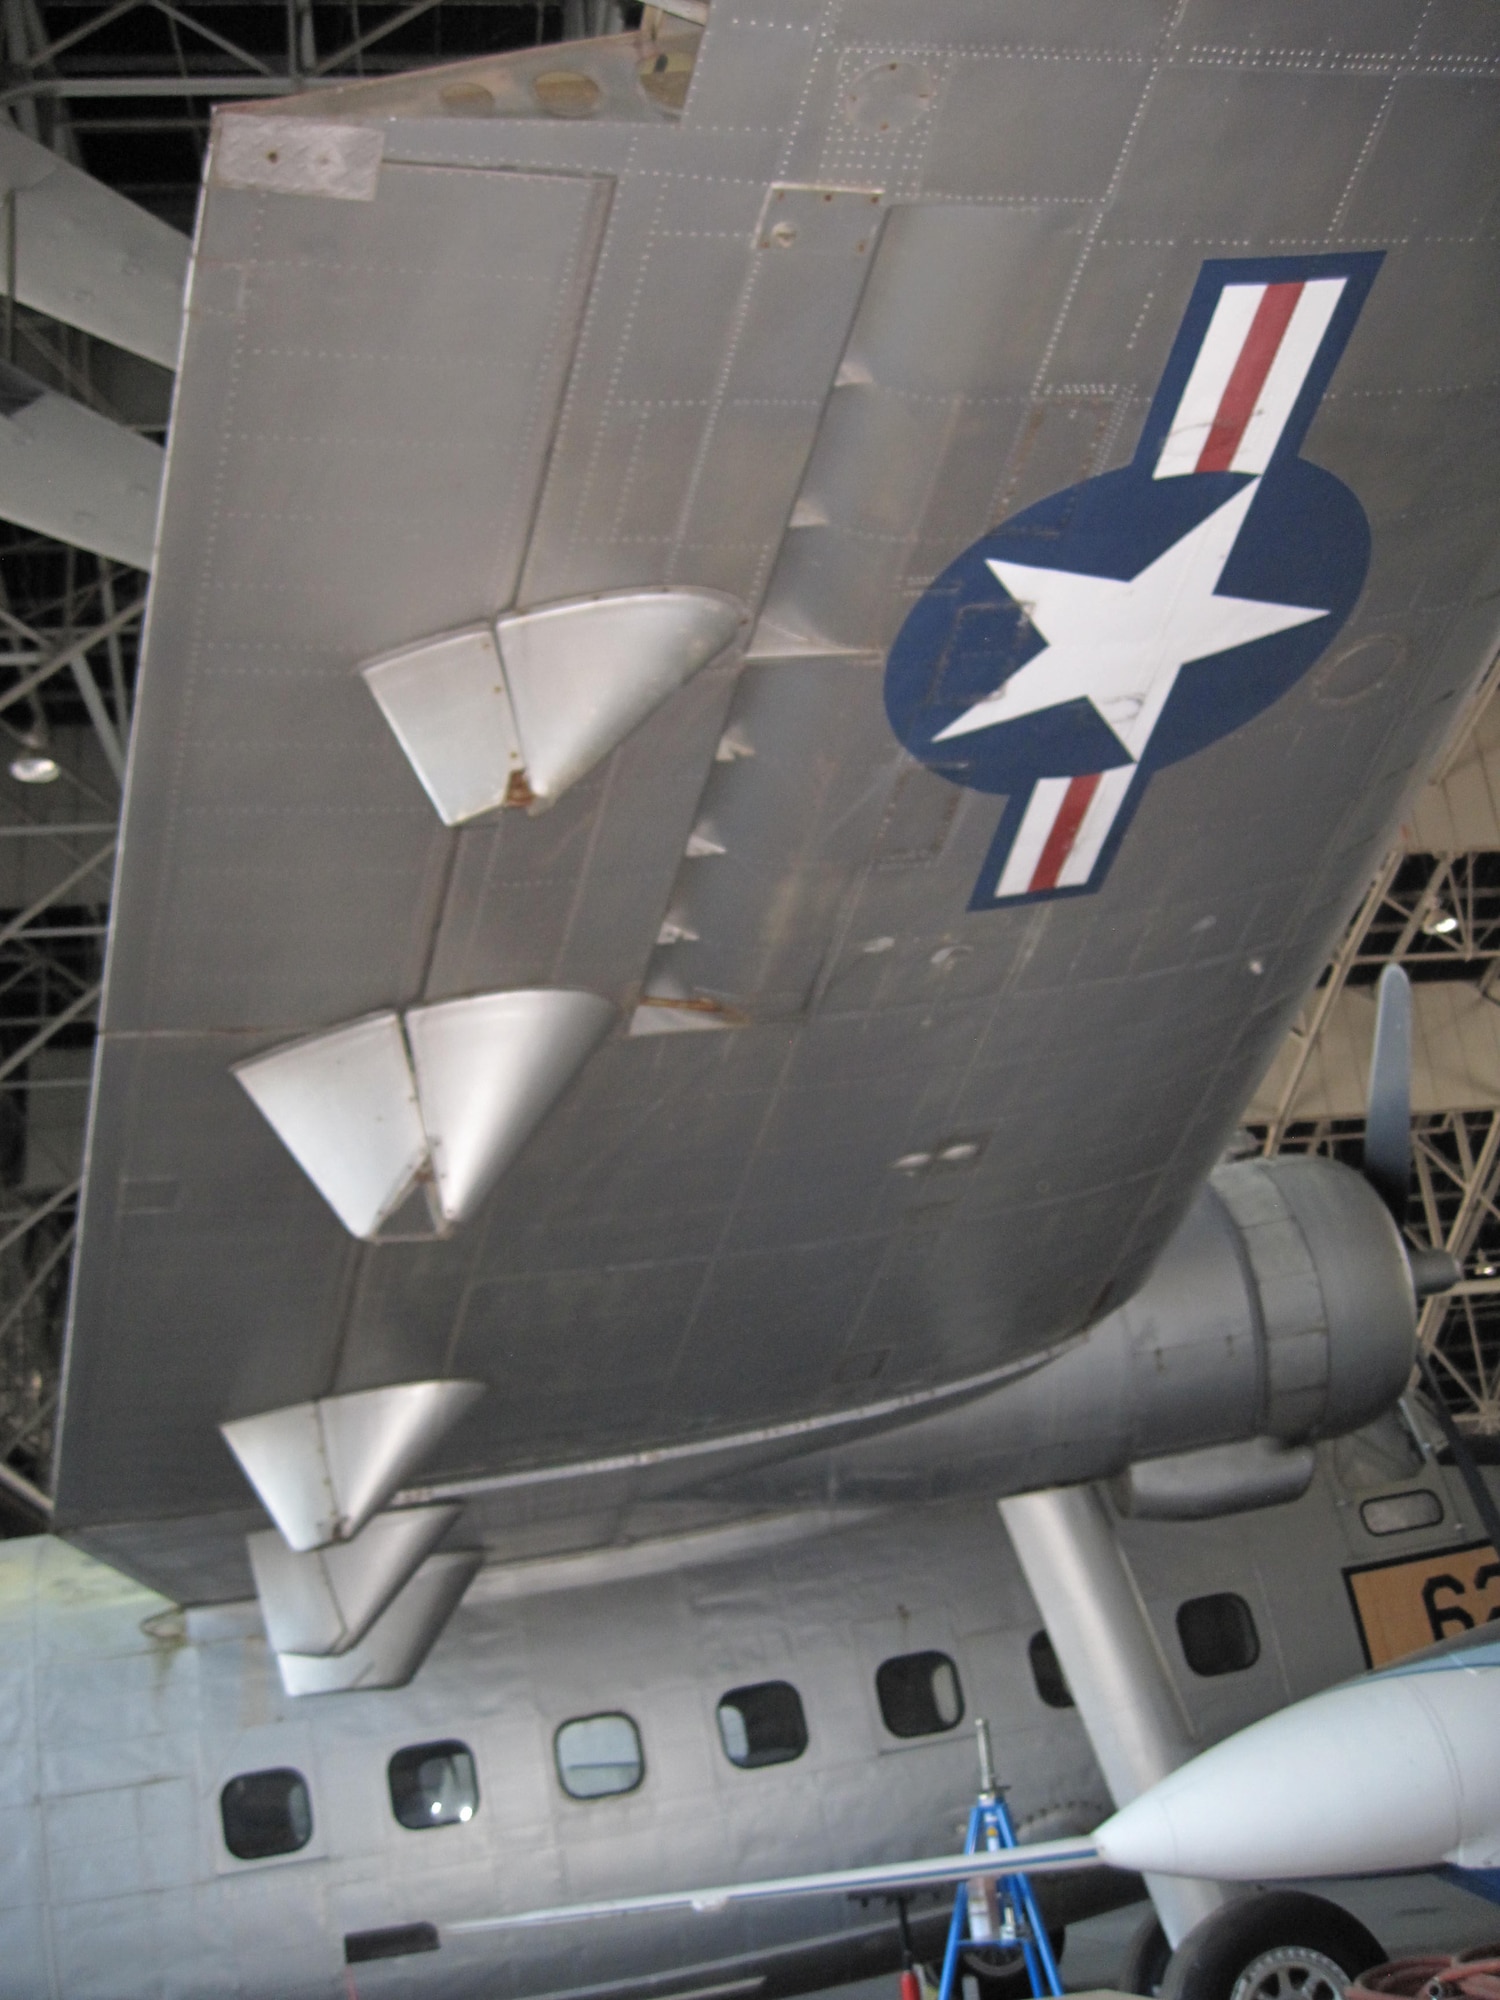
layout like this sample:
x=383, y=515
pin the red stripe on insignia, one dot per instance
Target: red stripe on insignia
x=1248, y=376
x=1076, y=801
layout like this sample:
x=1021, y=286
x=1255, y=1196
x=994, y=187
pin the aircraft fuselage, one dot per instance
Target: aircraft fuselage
x=127, y=1719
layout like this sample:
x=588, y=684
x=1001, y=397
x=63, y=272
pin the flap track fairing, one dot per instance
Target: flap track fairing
x=325, y=1468
x=516, y=712
x=434, y=1104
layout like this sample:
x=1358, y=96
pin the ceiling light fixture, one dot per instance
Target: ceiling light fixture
x=34, y=767
x=1442, y=925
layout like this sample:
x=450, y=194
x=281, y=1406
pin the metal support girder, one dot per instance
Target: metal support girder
x=210, y=88
x=1456, y=1332
x=1113, y=1661
x=104, y=729
x=21, y=1488
x=314, y=68
x=44, y=1034
x=18, y=924
x=209, y=34
x=67, y=655
x=43, y=1209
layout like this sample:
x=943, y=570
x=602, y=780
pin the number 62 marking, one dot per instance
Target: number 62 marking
x=1447, y=1617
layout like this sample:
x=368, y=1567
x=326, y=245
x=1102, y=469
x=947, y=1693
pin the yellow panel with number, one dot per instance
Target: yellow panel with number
x=1414, y=1601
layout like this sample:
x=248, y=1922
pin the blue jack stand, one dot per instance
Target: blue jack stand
x=996, y=1910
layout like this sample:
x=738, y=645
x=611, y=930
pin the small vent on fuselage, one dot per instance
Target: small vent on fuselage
x=398, y=1941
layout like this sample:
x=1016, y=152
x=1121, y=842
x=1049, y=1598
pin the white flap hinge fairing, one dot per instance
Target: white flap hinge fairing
x=516, y=712
x=405, y=1123
x=323, y=1469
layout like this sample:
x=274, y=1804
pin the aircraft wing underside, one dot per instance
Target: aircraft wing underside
x=912, y=997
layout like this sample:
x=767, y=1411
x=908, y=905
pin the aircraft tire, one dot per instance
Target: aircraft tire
x=1269, y=1947
x=1146, y=1959
x=1002, y=1975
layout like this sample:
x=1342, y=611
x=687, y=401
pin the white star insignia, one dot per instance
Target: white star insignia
x=1121, y=645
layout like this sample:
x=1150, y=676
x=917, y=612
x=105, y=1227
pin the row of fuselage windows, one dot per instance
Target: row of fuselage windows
x=267, y=1813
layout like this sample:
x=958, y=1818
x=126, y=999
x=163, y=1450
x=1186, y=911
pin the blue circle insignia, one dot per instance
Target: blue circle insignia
x=1128, y=622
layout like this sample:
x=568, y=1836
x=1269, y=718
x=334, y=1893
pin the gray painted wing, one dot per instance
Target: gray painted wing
x=489, y=361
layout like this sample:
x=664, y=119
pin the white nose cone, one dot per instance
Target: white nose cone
x=1397, y=1772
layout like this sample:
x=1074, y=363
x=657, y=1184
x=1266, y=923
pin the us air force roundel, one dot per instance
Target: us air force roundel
x=1134, y=619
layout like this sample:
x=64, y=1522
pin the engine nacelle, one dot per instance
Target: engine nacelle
x=1282, y=1310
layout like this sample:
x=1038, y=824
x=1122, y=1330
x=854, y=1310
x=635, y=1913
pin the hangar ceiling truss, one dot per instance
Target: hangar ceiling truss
x=1435, y=911
x=126, y=89
x=67, y=633
x=1456, y=1203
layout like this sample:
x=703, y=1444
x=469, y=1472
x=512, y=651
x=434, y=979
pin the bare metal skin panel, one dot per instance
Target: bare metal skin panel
x=128, y=1719
x=491, y=361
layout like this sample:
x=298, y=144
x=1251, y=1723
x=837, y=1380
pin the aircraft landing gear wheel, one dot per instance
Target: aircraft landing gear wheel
x=1280, y=1946
x=1146, y=1959
x=1001, y=1971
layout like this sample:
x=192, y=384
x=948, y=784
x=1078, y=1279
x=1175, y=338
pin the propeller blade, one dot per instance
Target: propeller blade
x=1388, y=1107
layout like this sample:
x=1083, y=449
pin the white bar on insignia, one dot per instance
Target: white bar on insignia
x=1283, y=384
x=1227, y=333
x=1042, y=809
x=1094, y=829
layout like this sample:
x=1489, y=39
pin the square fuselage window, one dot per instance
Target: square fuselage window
x=434, y=1784
x=919, y=1694
x=1218, y=1634
x=762, y=1724
x=1046, y=1671
x=1400, y=1513
x=265, y=1813
x=598, y=1756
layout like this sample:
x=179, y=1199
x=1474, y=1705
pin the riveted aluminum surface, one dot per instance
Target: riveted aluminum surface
x=344, y=1106
x=322, y=1469
x=325, y=1600
x=400, y=1639
x=488, y=1071
x=295, y=156
x=281, y=1453
x=716, y=1220
x=581, y=676
x=1219, y=1479
x=1335, y=1292
x=447, y=705
x=144, y=1726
